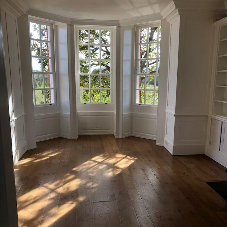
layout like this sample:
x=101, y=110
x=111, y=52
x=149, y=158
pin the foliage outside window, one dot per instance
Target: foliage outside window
x=94, y=69
x=41, y=39
x=148, y=61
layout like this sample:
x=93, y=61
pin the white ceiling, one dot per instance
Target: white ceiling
x=98, y=9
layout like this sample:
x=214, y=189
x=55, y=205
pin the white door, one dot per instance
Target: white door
x=215, y=134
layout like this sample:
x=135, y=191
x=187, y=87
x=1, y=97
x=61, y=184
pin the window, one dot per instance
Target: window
x=148, y=61
x=41, y=40
x=94, y=66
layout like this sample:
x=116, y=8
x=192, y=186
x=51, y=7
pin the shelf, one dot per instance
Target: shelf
x=223, y=55
x=222, y=101
x=222, y=40
x=222, y=71
x=221, y=86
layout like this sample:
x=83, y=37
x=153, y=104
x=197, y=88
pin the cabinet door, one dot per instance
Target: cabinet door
x=223, y=146
x=215, y=134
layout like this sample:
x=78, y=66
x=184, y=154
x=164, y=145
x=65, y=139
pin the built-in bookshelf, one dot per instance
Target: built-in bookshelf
x=220, y=96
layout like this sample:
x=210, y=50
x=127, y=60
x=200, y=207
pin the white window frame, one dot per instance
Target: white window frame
x=52, y=59
x=136, y=63
x=89, y=59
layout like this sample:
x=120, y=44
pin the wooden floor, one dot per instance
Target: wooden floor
x=101, y=181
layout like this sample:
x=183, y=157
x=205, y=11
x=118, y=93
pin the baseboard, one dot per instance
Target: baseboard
x=47, y=137
x=144, y=135
x=96, y=133
x=22, y=148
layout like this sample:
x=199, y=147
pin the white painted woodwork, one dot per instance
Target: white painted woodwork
x=215, y=134
x=223, y=144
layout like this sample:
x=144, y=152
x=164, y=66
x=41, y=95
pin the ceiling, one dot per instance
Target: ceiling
x=98, y=9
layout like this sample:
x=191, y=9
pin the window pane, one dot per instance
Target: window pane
x=156, y=98
x=35, y=48
x=105, y=66
x=46, y=49
x=45, y=32
x=46, y=65
x=150, y=97
x=84, y=66
x=150, y=81
x=152, y=65
x=84, y=96
x=160, y=33
x=153, y=34
x=95, y=67
x=143, y=35
x=49, y=81
x=36, y=65
x=142, y=66
x=105, y=82
x=39, y=97
x=95, y=52
x=95, y=96
x=157, y=82
x=140, y=96
x=95, y=81
x=49, y=96
x=105, y=52
x=143, y=51
x=140, y=82
x=83, y=51
x=94, y=36
x=83, y=36
x=153, y=50
x=105, y=96
x=38, y=81
x=84, y=81
x=105, y=36
x=34, y=31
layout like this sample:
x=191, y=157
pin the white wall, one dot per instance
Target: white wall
x=14, y=83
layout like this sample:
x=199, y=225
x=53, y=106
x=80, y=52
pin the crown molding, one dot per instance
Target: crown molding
x=168, y=10
x=66, y=20
x=141, y=19
x=14, y=6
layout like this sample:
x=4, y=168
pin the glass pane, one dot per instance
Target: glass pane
x=105, y=36
x=49, y=96
x=83, y=51
x=140, y=96
x=95, y=96
x=95, y=82
x=49, y=81
x=143, y=51
x=46, y=65
x=153, y=50
x=35, y=48
x=39, y=97
x=156, y=98
x=94, y=36
x=105, y=66
x=34, y=31
x=36, y=65
x=143, y=35
x=150, y=97
x=105, y=82
x=83, y=36
x=150, y=81
x=140, y=82
x=46, y=49
x=84, y=96
x=38, y=81
x=95, y=67
x=105, y=96
x=160, y=33
x=152, y=65
x=95, y=52
x=142, y=66
x=45, y=32
x=158, y=66
x=84, y=81
x=153, y=34
x=84, y=66
x=157, y=83
x=105, y=52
